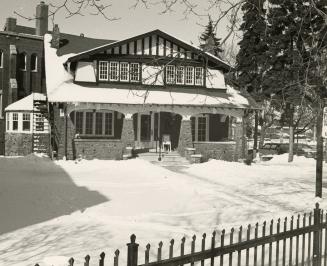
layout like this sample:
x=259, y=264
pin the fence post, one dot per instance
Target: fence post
x=132, y=252
x=316, y=237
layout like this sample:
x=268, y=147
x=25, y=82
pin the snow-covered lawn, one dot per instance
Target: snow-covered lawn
x=88, y=207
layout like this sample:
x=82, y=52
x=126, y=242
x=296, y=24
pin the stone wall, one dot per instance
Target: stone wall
x=100, y=149
x=185, y=137
x=216, y=150
x=18, y=144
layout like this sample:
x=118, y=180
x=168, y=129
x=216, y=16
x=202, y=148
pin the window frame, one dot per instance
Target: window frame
x=13, y=119
x=170, y=74
x=25, y=61
x=132, y=74
x=103, y=72
x=35, y=57
x=178, y=68
x=111, y=64
x=94, y=123
x=1, y=58
x=201, y=76
x=26, y=120
x=196, y=127
x=121, y=67
x=187, y=73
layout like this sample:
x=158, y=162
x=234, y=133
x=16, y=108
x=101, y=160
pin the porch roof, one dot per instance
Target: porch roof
x=74, y=93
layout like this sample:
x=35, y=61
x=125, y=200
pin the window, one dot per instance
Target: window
x=124, y=71
x=189, y=75
x=39, y=122
x=22, y=61
x=89, y=123
x=99, y=123
x=135, y=72
x=8, y=122
x=180, y=75
x=1, y=98
x=114, y=71
x=34, y=62
x=26, y=121
x=103, y=70
x=15, y=121
x=1, y=59
x=79, y=122
x=199, y=76
x=170, y=74
x=109, y=124
x=200, y=128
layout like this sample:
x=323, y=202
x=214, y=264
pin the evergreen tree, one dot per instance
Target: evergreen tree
x=209, y=41
x=251, y=59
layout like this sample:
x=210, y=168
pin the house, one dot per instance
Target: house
x=111, y=99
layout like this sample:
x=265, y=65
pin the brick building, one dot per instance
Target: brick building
x=106, y=99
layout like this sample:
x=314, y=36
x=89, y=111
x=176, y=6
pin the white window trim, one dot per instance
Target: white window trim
x=196, y=136
x=110, y=65
x=30, y=115
x=120, y=71
x=167, y=76
x=9, y=123
x=198, y=81
x=94, y=122
x=102, y=79
x=185, y=77
x=138, y=72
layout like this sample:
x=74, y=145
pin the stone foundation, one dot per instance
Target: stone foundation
x=217, y=150
x=18, y=144
x=100, y=149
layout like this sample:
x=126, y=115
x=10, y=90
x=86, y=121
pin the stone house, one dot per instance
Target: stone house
x=111, y=99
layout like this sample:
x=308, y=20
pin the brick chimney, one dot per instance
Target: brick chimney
x=11, y=24
x=55, y=42
x=42, y=13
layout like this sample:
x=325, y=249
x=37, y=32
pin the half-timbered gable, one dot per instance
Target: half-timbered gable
x=155, y=58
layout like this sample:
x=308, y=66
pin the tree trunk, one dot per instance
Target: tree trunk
x=255, y=134
x=320, y=144
x=291, y=139
x=262, y=136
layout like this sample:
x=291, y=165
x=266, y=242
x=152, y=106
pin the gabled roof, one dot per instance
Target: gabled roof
x=27, y=103
x=158, y=32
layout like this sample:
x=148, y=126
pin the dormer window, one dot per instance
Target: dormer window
x=189, y=75
x=113, y=70
x=103, y=70
x=170, y=74
x=124, y=71
x=199, y=76
x=135, y=72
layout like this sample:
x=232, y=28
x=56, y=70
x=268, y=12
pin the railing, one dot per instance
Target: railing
x=301, y=241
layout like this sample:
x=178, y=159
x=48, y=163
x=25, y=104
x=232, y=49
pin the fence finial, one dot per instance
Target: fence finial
x=87, y=260
x=317, y=205
x=133, y=238
x=71, y=261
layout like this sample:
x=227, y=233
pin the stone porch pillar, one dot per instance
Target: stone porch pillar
x=127, y=134
x=240, y=139
x=185, y=135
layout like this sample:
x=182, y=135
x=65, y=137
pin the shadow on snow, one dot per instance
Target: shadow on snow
x=34, y=190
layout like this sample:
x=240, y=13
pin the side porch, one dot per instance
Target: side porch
x=117, y=131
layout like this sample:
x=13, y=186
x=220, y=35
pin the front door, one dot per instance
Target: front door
x=147, y=130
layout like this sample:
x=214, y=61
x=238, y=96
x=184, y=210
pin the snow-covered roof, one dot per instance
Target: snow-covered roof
x=26, y=104
x=61, y=88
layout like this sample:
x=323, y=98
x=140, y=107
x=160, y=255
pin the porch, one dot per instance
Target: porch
x=113, y=131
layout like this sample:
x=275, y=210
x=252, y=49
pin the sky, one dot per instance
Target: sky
x=131, y=21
